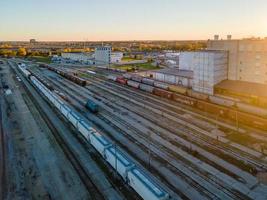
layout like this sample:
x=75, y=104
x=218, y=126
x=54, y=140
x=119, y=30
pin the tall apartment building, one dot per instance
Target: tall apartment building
x=247, y=58
x=103, y=55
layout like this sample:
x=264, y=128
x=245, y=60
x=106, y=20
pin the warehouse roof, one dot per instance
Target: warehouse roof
x=176, y=72
x=243, y=87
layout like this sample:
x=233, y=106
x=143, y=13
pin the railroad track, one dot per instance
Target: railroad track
x=247, y=158
x=84, y=176
x=2, y=138
x=111, y=116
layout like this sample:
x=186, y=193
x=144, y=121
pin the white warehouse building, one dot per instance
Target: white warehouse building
x=209, y=68
x=104, y=55
x=81, y=57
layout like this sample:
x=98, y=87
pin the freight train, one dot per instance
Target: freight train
x=132, y=175
x=226, y=108
x=66, y=75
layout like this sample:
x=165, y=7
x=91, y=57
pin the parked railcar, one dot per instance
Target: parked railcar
x=133, y=84
x=197, y=95
x=252, y=109
x=121, y=80
x=146, y=189
x=184, y=99
x=212, y=108
x=137, y=78
x=148, y=81
x=112, y=77
x=118, y=161
x=161, y=85
x=248, y=119
x=221, y=101
x=163, y=93
x=92, y=106
x=178, y=89
x=127, y=76
x=146, y=88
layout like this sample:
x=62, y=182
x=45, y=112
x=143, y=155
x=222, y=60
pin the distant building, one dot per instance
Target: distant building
x=116, y=57
x=80, y=57
x=103, y=55
x=32, y=41
x=247, y=58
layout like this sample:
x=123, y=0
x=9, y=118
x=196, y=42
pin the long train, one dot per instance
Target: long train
x=73, y=78
x=226, y=108
x=125, y=167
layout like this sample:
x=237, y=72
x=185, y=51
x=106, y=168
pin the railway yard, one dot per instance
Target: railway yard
x=126, y=143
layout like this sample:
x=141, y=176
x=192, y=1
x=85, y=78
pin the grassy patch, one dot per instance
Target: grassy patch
x=143, y=66
x=40, y=59
x=128, y=59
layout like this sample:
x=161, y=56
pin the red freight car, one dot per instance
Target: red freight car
x=163, y=93
x=212, y=108
x=121, y=80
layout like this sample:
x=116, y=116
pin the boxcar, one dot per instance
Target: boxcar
x=163, y=93
x=248, y=119
x=121, y=80
x=212, y=108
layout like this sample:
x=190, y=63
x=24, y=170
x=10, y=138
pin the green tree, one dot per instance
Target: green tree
x=22, y=52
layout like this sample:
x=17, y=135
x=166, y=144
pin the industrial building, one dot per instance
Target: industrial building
x=247, y=58
x=173, y=76
x=80, y=57
x=103, y=55
x=210, y=68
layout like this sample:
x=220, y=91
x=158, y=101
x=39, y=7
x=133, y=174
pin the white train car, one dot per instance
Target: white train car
x=118, y=161
x=144, y=186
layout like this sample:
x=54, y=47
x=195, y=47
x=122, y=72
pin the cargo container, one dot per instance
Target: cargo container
x=148, y=81
x=161, y=85
x=92, y=106
x=222, y=101
x=163, y=93
x=133, y=84
x=146, y=88
x=178, y=89
x=252, y=109
x=197, y=95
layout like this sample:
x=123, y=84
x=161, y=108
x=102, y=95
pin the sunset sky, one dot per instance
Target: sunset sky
x=80, y=20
